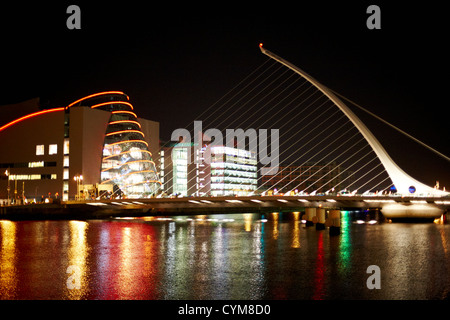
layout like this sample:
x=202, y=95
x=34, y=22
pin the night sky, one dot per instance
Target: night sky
x=175, y=60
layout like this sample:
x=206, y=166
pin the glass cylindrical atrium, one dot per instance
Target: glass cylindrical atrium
x=127, y=163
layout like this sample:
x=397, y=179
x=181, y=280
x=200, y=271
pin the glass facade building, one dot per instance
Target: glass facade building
x=228, y=171
x=93, y=147
x=233, y=171
x=180, y=171
x=127, y=163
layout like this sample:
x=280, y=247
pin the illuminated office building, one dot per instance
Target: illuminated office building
x=207, y=171
x=95, y=144
x=177, y=169
x=233, y=172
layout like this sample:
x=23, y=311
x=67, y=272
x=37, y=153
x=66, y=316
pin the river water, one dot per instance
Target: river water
x=241, y=256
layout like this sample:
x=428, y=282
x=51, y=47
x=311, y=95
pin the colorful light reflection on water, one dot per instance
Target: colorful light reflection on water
x=243, y=256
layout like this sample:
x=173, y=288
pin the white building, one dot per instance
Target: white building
x=207, y=171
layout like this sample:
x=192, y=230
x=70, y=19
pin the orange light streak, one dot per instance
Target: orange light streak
x=118, y=154
x=123, y=131
x=126, y=163
x=129, y=112
x=126, y=121
x=31, y=115
x=112, y=102
x=125, y=141
x=96, y=95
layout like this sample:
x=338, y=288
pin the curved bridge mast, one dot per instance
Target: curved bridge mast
x=401, y=179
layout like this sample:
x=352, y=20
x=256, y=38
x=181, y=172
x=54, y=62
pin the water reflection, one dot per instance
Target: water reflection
x=345, y=244
x=8, y=279
x=248, y=221
x=319, y=274
x=275, y=216
x=77, y=283
x=242, y=256
x=296, y=231
x=445, y=241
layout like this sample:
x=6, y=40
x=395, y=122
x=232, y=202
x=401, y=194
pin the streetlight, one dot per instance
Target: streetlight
x=8, y=188
x=78, y=180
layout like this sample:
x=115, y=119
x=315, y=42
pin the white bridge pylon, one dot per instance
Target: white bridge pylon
x=401, y=180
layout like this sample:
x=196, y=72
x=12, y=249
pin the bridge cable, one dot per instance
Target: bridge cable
x=382, y=181
x=329, y=181
x=226, y=110
x=392, y=126
x=228, y=93
x=236, y=86
x=348, y=168
x=290, y=119
x=256, y=103
x=330, y=162
x=349, y=176
x=324, y=139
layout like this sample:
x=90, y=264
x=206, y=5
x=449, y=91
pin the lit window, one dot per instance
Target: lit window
x=66, y=161
x=66, y=174
x=66, y=146
x=40, y=150
x=25, y=177
x=36, y=164
x=53, y=149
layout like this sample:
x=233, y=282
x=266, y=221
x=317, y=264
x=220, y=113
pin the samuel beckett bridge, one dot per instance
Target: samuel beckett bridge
x=328, y=158
x=342, y=163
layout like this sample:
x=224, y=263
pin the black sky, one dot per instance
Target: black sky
x=175, y=60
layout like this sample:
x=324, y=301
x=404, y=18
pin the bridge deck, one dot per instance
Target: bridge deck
x=261, y=203
x=399, y=206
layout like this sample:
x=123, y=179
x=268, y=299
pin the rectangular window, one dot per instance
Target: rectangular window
x=52, y=149
x=36, y=164
x=66, y=161
x=48, y=176
x=66, y=146
x=24, y=177
x=66, y=174
x=40, y=150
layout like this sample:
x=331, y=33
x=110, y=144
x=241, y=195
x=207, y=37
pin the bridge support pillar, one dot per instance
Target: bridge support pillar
x=310, y=213
x=320, y=217
x=335, y=222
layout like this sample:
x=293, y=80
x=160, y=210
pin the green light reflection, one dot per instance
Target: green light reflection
x=345, y=244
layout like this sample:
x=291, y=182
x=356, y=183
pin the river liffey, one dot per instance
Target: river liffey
x=240, y=256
